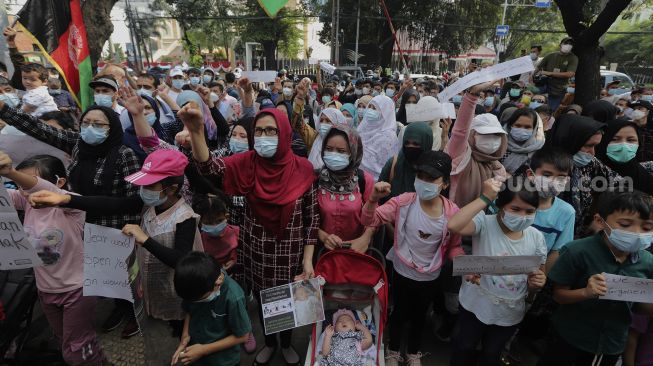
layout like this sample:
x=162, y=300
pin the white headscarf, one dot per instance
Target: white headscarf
x=379, y=138
x=337, y=118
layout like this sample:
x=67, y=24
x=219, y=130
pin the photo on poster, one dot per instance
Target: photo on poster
x=292, y=305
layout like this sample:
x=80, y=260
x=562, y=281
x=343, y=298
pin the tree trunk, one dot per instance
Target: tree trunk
x=588, y=77
x=386, y=45
x=98, y=25
x=270, y=52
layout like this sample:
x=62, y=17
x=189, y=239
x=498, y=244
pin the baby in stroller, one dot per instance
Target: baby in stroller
x=345, y=341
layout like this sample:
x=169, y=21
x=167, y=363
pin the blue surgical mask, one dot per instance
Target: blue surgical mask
x=151, y=119
x=324, y=129
x=214, y=230
x=375, y=93
x=582, y=158
x=627, y=241
x=214, y=295
x=571, y=90
x=517, y=222
x=143, y=91
x=326, y=99
x=535, y=105
x=520, y=134
x=194, y=80
x=335, y=161
x=372, y=115
x=93, y=136
x=426, y=191
x=178, y=83
x=207, y=79
x=514, y=93
x=266, y=146
x=103, y=100
x=152, y=198
x=389, y=93
x=457, y=99
x=647, y=98
x=237, y=146
x=489, y=101
x=10, y=99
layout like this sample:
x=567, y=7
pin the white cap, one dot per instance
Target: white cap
x=487, y=123
x=238, y=72
x=176, y=72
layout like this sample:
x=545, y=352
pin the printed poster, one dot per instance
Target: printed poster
x=292, y=305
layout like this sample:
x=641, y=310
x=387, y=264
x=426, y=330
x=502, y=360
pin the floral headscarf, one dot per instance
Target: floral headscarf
x=343, y=181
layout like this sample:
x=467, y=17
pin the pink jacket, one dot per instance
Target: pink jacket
x=395, y=211
x=458, y=145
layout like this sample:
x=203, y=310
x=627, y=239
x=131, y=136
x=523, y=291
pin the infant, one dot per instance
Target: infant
x=345, y=341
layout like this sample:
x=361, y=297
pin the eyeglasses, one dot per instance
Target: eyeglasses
x=268, y=131
x=95, y=124
x=538, y=100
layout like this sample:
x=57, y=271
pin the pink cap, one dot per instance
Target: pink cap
x=342, y=312
x=159, y=165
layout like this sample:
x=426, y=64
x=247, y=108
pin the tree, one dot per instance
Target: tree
x=97, y=19
x=628, y=49
x=534, y=20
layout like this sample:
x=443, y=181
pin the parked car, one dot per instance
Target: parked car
x=355, y=71
x=626, y=84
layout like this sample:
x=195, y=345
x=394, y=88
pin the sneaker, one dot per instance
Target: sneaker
x=393, y=358
x=264, y=356
x=290, y=356
x=414, y=360
x=114, y=320
x=130, y=329
x=250, y=345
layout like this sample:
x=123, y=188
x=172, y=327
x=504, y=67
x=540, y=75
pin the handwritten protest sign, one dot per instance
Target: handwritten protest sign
x=260, y=76
x=292, y=305
x=16, y=251
x=327, y=67
x=15, y=147
x=502, y=70
x=623, y=288
x=427, y=109
x=498, y=266
x=105, y=262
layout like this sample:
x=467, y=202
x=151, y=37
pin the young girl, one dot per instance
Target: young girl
x=345, y=340
x=492, y=306
x=56, y=234
x=218, y=237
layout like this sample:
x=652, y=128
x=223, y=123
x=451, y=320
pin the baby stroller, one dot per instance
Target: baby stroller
x=356, y=282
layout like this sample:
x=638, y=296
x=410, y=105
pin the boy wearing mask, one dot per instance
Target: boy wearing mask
x=105, y=91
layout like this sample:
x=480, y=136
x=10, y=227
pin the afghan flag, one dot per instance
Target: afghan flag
x=57, y=28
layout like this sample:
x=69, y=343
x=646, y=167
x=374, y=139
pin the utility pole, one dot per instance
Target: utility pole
x=333, y=29
x=358, y=24
x=337, y=60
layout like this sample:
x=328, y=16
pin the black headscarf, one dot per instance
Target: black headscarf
x=248, y=124
x=571, y=132
x=642, y=179
x=600, y=110
x=131, y=140
x=401, y=113
x=83, y=173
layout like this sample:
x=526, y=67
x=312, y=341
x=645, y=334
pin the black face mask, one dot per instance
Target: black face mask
x=412, y=153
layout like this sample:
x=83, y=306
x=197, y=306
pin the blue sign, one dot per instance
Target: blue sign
x=543, y=3
x=502, y=30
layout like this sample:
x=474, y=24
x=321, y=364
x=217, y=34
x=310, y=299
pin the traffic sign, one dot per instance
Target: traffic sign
x=543, y=3
x=502, y=30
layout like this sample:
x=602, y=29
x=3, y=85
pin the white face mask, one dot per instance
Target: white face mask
x=566, y=48
x=487, y=144
x=637, y=114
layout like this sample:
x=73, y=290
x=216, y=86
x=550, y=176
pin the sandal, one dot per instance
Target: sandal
x=263, y=363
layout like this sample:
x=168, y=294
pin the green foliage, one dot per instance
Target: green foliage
x=534, y=19
x=629, y=49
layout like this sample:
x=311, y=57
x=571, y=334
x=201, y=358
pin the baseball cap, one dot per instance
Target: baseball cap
x=159, y=165
x=104, y=81
x=486, y=124
x=176, y=72
x=641, y=103
x=434, y=163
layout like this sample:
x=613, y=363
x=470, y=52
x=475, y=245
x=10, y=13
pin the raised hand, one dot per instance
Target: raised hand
x=491, y=188
x=482, y=87
x=381, y=189
x=191, y=116
x=246, y=85
x=5, y=164
x=133, y=102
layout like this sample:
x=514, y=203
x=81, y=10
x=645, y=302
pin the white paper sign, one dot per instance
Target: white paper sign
x=16, y=251
x=623, y=288
x=260, y=76
x=20, y=148
x=427, y=109
x=449, y=110
x=509, y=68
x=328, y=68
x=495, y=265
x=105, y=262
x=292, y=305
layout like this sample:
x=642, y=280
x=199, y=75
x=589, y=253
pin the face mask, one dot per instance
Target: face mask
x=548, y=187
x=637, y=114
x=326, y=99
x=647, y=98
x=214, y=97
x=426, y=191
x=412, y=153
x=152, y=198
x=389, y=93
x=366, y=91
x=514, y=92
x=375, y=93
x=533, y=56
x=214, y=230
x=287, y=92
x=358, y=92
x=627, y=241
x=487, y=144
x=55, y=91
x=489, y=102
x=145, y=92
x=178, y=83
x=457, y=99
x=349, y=121
x=372, y=115
x=566, y=48
x=336, y=161
x=622, y=152
x=10, y=99
x=103, y=100
x=517, y=222
x=582, y=158
x=526, y=99
x=621, y=109
x=571, y=90
x=535, y=105
x=207, y=79
x=237, y=146
x=93, y=136
x=266, y=146
x=151, y=118
x=360, y=113
x=324, y=129
x=214, y=295
x=194, y=80
x=520, y=134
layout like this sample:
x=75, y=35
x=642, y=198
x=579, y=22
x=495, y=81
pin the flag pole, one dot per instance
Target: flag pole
x=394, y=33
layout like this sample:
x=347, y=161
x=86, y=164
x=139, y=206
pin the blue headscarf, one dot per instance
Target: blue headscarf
x=352, y=110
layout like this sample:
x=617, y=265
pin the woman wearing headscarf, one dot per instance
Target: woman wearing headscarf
x=210, y=125
x=600, y=110
x=330, y=117
x=579, y=136
x=152, y=115
x=349, y=111
x=298, y=144
x=361, y=105
x=618, y=150
x=343, y=189
x=378, y=131
x=410, y=96
x=525, y=136
x=476, y=146
x=281, y=223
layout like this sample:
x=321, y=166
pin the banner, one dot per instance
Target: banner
x=272, y=7
x=16, y=251
x=259, y=76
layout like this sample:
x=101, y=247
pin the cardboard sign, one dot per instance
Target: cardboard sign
x=19, y=148
x=259, y=76
x=496, y=72
x=624, y=288
x=495, y=265
x=16, y=251
x=427, y=109
x=328, y=68
x=292, y=305
x=105, y=262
